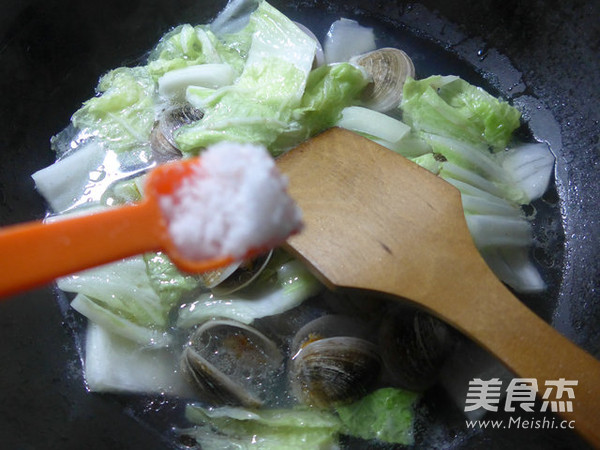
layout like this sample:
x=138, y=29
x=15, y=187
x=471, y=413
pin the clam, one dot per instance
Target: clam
x=413, y=346
x=230, y=363
x=162, y=141
x=332, y=363
x=329, y=325
x=388, y=68
x=236, y=276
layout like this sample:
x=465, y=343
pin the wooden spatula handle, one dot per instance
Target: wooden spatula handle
x=481, y=306
x=35, y=253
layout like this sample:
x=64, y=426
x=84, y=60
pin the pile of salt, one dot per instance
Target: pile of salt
x=235, y=202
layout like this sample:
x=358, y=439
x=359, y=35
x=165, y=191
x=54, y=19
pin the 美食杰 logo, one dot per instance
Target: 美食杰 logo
x=518, y=396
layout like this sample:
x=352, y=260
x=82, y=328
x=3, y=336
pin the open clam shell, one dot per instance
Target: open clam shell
x=230, y=363
x=236, y=276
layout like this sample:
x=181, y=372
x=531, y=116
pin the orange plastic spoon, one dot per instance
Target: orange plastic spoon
x=36, y=253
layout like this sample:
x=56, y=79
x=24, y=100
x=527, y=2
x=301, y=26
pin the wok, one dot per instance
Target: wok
x=542, y=55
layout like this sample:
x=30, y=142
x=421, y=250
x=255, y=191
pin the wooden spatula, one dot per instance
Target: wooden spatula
x=376, y=221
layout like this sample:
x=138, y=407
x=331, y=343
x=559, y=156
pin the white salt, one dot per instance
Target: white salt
x=235, y=202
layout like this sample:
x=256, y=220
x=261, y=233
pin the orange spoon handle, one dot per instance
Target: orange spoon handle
x=36, y=253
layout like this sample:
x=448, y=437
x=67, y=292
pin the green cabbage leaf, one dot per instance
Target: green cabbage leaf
x=122, y=115
x=189, y=46
x=278, y=100
x=258, y=106
x=449, y=106
x=386, y=414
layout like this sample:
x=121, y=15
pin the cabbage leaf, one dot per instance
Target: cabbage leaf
x=166, y=280
x=329, y=89
x=258, y=106
x=121, y=298
x=386, y=415
x=277, y=429
x=280, y=287
x=118, y=365
x=449, y=106
x=189, y=46
x=123, y=114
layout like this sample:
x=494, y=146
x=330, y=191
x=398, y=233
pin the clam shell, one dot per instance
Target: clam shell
x=329, y=325
x=414, y=347
x=212, y=385
x=334, y=371
x=235, y=276
x=215, y=277
x=162, y=149
x=162, y=141
x=230, y=363
x=389, y=68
